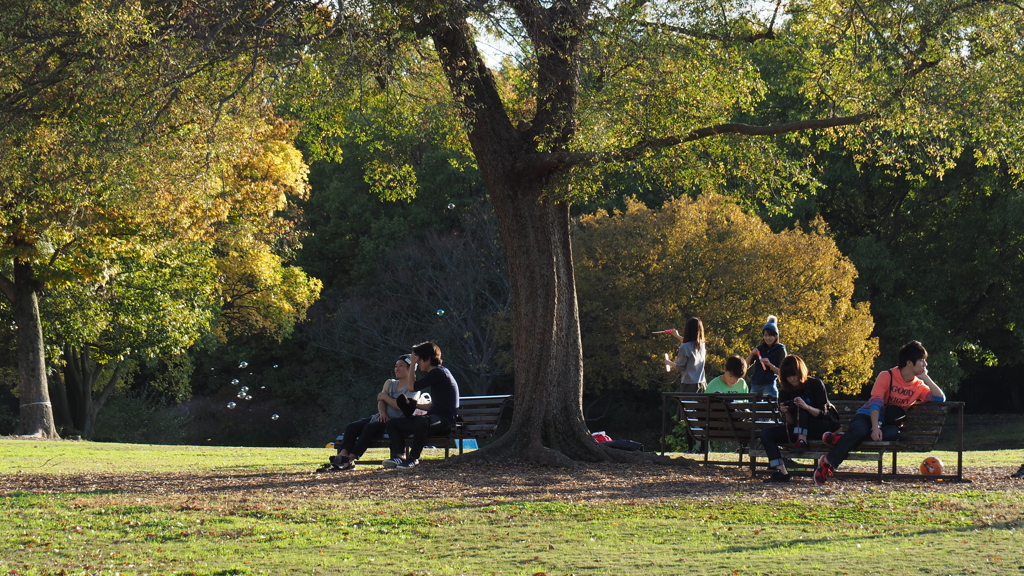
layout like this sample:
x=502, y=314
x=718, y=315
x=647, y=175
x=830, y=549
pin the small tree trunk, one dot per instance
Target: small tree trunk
x=61, y=408
x=101, y=400
x=36, y=415
x=79, y=377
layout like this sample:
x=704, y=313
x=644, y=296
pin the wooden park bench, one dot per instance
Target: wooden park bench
x=923, y=427
x=739, y=418
x=478, y=420
x=735, y=418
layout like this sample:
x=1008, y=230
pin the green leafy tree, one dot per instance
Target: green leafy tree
x=667, y=89
x=448, y=287
x=116, y=120
x=640, y=270
x=149, y=306
x=929, y=214
x=352, y=230
x=940, y=257
x=159, y=294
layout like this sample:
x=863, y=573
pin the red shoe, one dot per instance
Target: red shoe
x=823, y=472
x=831, y=438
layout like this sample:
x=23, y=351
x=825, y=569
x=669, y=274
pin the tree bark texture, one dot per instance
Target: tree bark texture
x=36, y=414
x=547, y=423
x=80, y=376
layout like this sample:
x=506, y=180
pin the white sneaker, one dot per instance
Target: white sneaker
x=393, y=463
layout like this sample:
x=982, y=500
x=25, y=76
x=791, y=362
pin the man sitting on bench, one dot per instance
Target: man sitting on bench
x=441, y=413
x=901, y=387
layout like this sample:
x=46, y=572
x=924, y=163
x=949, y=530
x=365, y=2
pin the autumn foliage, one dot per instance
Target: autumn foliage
x=640, y=270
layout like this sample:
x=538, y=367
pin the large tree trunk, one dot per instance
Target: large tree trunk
x=547, y=423
x=36, y=415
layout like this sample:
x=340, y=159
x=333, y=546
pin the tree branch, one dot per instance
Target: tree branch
x=473, y=86
x=967, y=320
x=565, y=158
x=115, y=378
x=768, y=34
x=7, y=287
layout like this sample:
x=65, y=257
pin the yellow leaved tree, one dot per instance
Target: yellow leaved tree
x=640, y=270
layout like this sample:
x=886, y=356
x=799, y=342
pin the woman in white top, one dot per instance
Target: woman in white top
x=360, y=433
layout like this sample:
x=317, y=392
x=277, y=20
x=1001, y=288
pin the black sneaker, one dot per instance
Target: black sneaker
x=393, y=463
x=406, y=464
x=329, y=467
x=1018, y=473
x=777, y=476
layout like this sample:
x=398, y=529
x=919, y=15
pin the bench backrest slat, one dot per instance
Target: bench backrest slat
x=479, y=416
x=924, y=421
x=726, y=416
x=740, y=417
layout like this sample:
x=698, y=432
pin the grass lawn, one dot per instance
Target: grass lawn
x=212, y=510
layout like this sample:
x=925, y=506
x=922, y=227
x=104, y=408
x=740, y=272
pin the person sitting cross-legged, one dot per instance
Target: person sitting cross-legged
x=441, y=412
x=902, y=386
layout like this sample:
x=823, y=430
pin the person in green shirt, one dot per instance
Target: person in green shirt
x=732, y=380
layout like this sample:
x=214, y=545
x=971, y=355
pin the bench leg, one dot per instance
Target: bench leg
x=664, y=404
x=960, y=445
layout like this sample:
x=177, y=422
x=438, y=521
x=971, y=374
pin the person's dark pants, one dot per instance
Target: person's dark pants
x=858, y=431
x=420, y=427
x=773, y=436
x=359, y=434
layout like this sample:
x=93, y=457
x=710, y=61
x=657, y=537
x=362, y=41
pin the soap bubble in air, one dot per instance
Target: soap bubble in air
x=275, y=365
x=274, y=417
x=451, y=206
x=231, y=405
x=440, y=311
x=243, y=364
x=234, y=382
x=244, y=389
x=248, y=396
